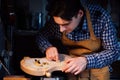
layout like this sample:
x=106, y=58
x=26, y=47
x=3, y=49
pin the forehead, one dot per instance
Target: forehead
x=59, y=20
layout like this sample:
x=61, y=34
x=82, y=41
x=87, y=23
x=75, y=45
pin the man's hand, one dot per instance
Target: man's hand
x=75, y=65
x=52, y=53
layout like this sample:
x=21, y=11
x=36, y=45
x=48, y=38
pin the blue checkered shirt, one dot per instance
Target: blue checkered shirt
x=103, y=29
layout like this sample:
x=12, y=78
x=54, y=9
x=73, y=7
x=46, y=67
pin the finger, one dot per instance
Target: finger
x=49, y=56
x=77, y=72
x=67, y=65
x=68, y=61
x=69, y=69
x=53, y=56
x=74, y=70
x=56, y=56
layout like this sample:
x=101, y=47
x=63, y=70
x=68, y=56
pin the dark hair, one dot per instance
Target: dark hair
x=65, y=9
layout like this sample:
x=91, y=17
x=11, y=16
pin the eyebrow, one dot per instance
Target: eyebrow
x=64, y=24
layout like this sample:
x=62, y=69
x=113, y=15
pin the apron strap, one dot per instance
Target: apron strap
x=92, y=35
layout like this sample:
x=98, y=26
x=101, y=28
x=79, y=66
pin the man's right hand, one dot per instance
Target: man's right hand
x=52, y=53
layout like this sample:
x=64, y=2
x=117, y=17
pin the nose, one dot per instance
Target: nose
x=62, y=28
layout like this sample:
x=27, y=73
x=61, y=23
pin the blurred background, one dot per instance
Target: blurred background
x=20, y=21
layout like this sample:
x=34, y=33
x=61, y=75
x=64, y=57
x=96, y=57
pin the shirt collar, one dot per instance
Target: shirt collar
x=79, y=28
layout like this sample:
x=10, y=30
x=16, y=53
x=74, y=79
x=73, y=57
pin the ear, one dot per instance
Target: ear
x=80, y=13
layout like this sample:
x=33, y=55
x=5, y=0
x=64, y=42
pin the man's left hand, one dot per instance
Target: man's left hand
x=75, y=65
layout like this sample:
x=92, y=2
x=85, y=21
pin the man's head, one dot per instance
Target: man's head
x=66, y=13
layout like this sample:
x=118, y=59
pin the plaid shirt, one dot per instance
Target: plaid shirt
x=103, y=29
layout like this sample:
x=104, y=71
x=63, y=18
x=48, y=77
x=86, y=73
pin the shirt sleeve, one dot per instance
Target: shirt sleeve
x=110, y=45
x=49, y=31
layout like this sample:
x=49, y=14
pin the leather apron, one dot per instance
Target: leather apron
x=81, y=48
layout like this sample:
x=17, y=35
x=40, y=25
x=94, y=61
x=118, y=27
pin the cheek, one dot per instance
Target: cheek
x=69, y=29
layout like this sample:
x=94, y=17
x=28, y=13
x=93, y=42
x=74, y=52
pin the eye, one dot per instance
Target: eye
x=66, y=24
